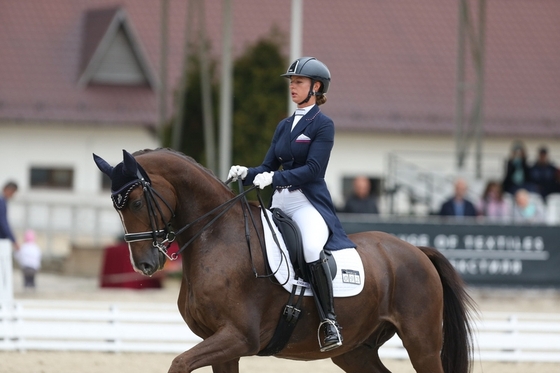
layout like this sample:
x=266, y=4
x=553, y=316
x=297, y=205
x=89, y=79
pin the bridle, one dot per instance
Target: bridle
x=163, y=238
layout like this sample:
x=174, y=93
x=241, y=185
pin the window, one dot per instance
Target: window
x=56, y=178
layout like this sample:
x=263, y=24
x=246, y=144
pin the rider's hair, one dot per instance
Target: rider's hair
x=320, y=100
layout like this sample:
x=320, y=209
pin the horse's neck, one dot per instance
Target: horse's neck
x=222, y=251
x=196, y=199
x=223, y=237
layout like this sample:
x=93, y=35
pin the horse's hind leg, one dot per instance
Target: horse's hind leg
x=422, y=339
x=364, y=359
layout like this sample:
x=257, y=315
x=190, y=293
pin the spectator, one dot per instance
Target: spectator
x=526, y=210
x=458, y=205
x=492, y=203
x=517, y=170
x=29, y=259
x=10, y=188
x=543, y=174
x=361, y=200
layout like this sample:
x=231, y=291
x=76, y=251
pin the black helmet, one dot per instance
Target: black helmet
x=312, y=68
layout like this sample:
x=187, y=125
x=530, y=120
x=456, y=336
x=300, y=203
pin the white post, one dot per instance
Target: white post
x=296, y=35
x=226, y=95
x=6, y=272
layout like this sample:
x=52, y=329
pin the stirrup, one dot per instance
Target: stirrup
x=332, y=346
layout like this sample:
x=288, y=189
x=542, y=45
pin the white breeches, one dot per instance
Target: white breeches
x=314, y=230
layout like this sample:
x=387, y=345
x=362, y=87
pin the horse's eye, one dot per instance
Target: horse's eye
x=136, y=205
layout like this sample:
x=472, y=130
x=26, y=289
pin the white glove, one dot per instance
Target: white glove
x=236, y=172
x=263, y=179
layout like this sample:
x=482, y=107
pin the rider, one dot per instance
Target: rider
x=295, y=165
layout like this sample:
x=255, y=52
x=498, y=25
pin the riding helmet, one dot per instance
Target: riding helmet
x=312, y=68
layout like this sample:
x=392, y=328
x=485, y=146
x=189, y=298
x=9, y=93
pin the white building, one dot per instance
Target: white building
x=82, y=77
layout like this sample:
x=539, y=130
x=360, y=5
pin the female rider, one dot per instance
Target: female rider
x=295, y=165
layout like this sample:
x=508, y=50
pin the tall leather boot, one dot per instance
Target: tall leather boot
x=322, y=287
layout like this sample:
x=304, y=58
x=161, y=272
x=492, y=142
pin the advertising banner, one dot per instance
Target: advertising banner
x=485, y=254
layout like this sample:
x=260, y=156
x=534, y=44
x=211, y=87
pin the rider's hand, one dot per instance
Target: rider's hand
x=236, y=172
x=263, y=179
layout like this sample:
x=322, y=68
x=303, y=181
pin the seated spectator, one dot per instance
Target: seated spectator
x=526, y=210
x=492, y=203
x=458, y=205
x=543, y=174
x=361, y=201
x=517, y=171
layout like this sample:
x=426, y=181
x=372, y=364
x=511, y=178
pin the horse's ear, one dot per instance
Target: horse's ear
x=130, y=166
x=105, y=167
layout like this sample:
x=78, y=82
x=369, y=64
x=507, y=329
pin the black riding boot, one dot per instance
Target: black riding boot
x=322, y=287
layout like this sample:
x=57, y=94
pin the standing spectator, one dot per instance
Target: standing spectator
x=361, y=201
x=543, y=174
x=10, y=188
x=526, y=210
x=458, y=205
x=492, y=203
x=517, y=170
x=29, y=259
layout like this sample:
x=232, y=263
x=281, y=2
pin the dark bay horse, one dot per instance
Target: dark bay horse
x=413, y=292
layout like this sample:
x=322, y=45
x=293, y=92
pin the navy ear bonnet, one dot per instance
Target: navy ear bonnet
x=125, y=176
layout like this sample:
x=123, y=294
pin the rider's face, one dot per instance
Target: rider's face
x=299, y=88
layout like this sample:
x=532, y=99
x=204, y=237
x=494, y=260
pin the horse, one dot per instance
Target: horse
x=410, y=291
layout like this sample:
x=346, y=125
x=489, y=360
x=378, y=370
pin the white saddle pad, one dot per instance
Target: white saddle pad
x=350, y=276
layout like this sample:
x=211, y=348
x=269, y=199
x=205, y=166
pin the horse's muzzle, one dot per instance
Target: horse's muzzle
x=151, y=265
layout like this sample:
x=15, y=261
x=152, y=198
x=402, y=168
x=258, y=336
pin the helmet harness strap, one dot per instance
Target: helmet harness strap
x=311, y=92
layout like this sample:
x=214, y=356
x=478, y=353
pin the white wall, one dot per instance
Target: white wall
x=24, y=145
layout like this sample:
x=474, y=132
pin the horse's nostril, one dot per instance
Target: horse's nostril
x=146, y=268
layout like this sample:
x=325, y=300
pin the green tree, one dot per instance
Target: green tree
x=260, y=99
x=192, y=142
x=259, y=102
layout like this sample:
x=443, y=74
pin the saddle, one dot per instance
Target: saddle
x=349, y=283
x=294, y=244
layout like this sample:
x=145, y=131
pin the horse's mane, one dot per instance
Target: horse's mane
x=183, y=156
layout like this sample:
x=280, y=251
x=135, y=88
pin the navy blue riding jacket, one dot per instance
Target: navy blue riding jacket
x=299, y=159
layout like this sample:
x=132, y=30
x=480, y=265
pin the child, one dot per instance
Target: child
x=29, y=259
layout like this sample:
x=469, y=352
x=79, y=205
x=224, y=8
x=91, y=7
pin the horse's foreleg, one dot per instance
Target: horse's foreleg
x=227, y=367
x=222, y=351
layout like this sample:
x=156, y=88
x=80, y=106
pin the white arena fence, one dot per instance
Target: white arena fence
x=152, y=327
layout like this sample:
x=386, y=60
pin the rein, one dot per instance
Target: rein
x=169, y=235
x=225, y=208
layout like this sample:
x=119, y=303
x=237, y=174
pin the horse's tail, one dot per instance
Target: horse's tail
x=456, y=353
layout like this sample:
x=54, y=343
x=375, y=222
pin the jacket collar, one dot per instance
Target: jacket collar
x=304, y=121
